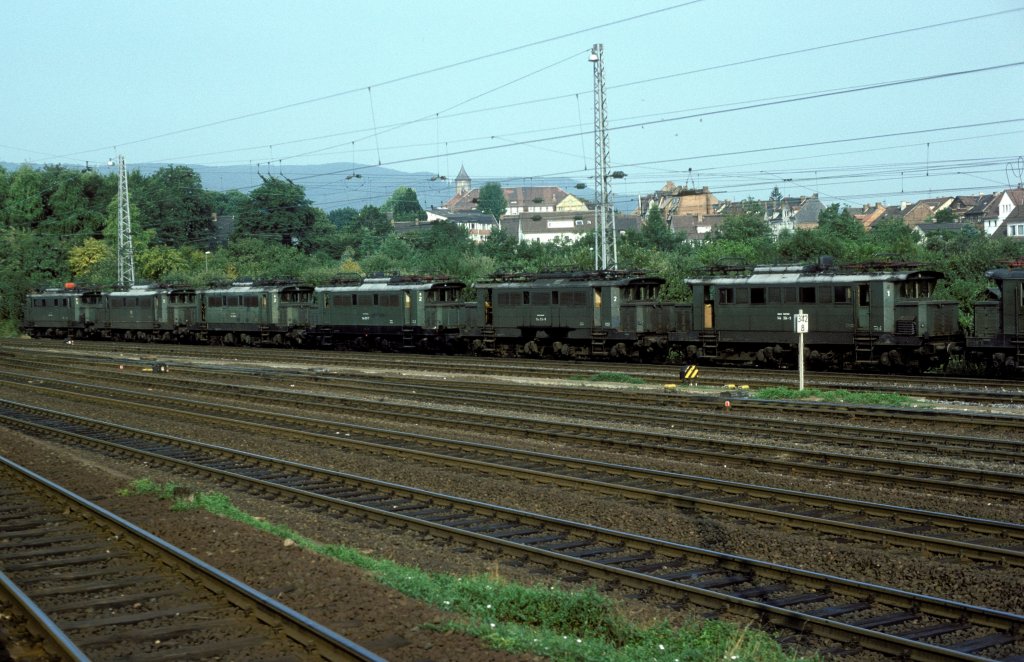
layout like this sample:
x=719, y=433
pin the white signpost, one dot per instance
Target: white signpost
x=801, y=323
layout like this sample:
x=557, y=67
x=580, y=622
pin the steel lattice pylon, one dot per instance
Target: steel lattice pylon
x=125, y=253
x=604, y=214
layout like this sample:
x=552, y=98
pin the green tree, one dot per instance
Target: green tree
x=840, y=223
x=492, y=200
x=343, y=217
x=227, y=203
x=655, y=232
x=277, y=210
x=174, y=203
x=23, y=204
x=404, y=205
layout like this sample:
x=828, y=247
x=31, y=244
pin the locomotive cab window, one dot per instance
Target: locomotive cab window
x=726, y=295
x=842, y=294
x=915, y=289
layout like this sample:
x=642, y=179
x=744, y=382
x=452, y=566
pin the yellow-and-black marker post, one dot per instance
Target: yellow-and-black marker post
x=688, y=371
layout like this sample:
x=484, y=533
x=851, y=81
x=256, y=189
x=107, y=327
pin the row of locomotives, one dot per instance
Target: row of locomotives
x=599, y=314
x=396, y=313
x=997, y=341
x=272, y=313
x=860, y=316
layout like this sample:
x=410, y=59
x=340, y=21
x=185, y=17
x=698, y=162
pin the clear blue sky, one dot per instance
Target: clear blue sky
x=506, y=89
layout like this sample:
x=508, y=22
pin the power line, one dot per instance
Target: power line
x=862, y=88
x=400, y=79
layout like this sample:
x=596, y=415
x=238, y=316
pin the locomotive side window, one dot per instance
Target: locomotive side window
x=554, y=297
x=726, y=295
x=231, y=300
x=915, y=289
x=216, y=301
x=578, y=299
x=808, y=295
x=774, y=295
x=526, y=297
x=842, y=294
x=825, y=294
x=757, y=295
x=789, y=295
x=542, y=298
x=251, y=301
x=742, y=295
x=864, y=294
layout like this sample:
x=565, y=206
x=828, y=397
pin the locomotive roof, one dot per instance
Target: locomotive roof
x=1005, y=274
x=244, y=287
x=570, y=279
x=796, y=276
x=393, y=284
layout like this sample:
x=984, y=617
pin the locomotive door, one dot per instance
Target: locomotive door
x=597, y=307
x=862, y=307
x=488, y=308
x=709, y=309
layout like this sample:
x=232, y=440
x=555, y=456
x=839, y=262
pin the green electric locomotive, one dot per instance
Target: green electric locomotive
x=858, y=316
x=613, y=314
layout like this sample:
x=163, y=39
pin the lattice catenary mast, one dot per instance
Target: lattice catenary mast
x=604, y=214
x=125, y=254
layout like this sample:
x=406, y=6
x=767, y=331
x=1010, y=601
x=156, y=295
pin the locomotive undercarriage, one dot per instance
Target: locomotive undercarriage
x=879, y=356
x=572, y=345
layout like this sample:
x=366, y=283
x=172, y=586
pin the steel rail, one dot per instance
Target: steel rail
x=54, y=530
x=951, y=387
x=705, y=415
x=917, y=475
x=844, y=610
x=974, y=539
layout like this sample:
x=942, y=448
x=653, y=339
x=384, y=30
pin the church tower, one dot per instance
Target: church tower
x=463, y=184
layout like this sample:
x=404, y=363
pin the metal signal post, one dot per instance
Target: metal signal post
x=802, y=324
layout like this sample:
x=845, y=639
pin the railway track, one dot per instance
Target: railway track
x=856, y=615
x=943, y=387
x=970, y=539
x=88, y=585
x=652, y=426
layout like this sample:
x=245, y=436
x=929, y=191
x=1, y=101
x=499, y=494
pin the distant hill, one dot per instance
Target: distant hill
x=332, y=185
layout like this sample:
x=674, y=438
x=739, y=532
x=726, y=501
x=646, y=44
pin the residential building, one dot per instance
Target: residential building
x=923, y=210
x=1013, y=225
x=550, y=226
x=477, y=223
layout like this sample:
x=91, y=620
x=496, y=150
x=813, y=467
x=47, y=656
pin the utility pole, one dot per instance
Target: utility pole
x=604, y=215
x=125, y=254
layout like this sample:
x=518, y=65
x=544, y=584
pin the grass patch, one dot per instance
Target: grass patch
x=617, y=377
x=561, y=625
x=9, y=329
x=839, y=395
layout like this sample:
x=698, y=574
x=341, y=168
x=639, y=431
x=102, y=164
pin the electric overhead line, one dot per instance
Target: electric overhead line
x=570, y=34
x=406, y=77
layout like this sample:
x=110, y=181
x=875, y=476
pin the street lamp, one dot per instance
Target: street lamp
x=206, y=256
